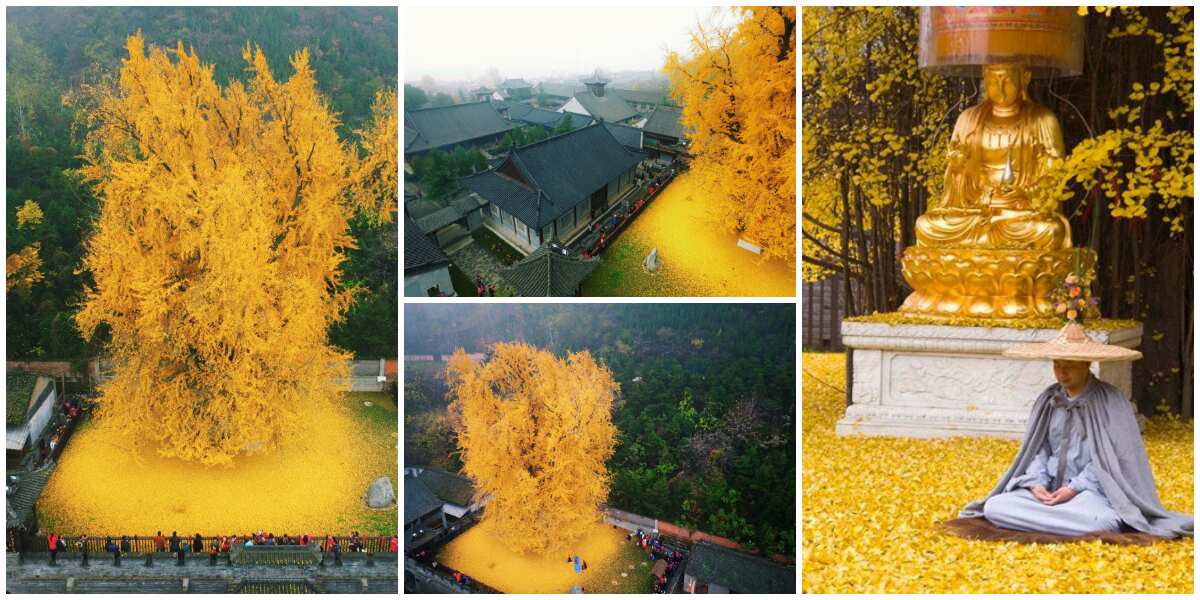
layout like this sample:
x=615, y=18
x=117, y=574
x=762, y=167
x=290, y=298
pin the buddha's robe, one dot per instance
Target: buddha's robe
x=1111, y=457
x=994, y=167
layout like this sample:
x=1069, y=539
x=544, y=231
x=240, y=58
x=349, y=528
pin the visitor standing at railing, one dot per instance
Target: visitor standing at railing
x=174, y=542
x=160, y=542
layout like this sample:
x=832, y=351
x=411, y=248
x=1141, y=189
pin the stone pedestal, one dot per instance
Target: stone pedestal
x=931, y=381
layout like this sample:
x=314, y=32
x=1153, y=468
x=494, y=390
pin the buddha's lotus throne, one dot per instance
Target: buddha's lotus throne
x=983, y=250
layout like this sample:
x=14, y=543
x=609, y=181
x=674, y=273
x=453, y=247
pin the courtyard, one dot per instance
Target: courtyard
x=699, y=257
x=314, y=485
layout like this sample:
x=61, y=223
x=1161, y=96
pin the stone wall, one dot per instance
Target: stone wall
x=196, y=576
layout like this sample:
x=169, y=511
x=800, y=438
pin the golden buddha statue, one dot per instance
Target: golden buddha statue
x=983, y=250
x=999, y=150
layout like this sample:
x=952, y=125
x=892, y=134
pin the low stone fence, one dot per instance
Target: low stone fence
x=141, y=545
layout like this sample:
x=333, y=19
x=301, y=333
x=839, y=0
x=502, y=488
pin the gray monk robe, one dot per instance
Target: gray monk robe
x=1106, y=462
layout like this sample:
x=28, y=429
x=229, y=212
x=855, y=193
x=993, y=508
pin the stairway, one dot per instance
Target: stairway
x=29, y=489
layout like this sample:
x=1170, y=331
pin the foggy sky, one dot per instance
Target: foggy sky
x=462, y=43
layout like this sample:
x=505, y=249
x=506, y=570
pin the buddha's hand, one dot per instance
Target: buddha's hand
x=1061, y=495
x=956, y=155
x=1041, y=494
x=1006, y=196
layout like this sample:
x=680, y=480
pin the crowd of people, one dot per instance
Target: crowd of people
x=48, y=447
x=653, y=178
x=653, y=545
x=175, y=544
x=483, y=289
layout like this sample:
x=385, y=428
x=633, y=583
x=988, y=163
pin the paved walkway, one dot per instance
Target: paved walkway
x=475, y=260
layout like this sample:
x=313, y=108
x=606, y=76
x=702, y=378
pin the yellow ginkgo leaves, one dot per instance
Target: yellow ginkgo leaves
x=216, y=255
x=738, y=93
x=535, y=431
x=870, y=505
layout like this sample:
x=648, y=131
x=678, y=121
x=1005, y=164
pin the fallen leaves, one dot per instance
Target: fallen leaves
x=480, y=553
x=314, y=485
x=699, y=258
x=870, y=503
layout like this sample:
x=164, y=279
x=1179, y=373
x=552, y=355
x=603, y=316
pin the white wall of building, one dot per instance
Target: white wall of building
x=573, y=106
x=419, y=284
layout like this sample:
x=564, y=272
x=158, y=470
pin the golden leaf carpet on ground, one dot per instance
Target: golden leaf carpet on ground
x=614, y=563
x=315, y=485
x=699, y=258
x=870, y=505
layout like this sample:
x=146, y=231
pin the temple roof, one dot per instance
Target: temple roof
x=555, y=174
x=450, y=487
x=418, y=499
x=665, y=121
x=609, y=107
x=547, y=272
x=420, y=252
x=430, y=128
x=740, y=572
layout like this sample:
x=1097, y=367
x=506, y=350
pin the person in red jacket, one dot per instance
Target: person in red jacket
x=52, y=544
x=393, y=546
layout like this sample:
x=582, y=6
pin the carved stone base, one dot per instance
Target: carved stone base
x=930, y=381
x=981, y=283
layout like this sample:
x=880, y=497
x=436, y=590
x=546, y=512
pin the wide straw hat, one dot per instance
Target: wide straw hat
x=1073, y=343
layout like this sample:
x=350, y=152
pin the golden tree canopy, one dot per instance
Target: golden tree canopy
x=535, y=431
x=216, y=254
x=738, y=92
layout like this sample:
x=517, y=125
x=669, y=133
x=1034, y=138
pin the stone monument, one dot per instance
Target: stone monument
x=986, y=249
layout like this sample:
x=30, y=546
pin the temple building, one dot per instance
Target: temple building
x=30, y=407
x=598, y=104
x=426, y=267
x=552, y=189
x=554, y=95
x=645, y=101
x=525, y=115
x=485, y=94
x=664, y=133
x=443, y=128
x=630, y=137
x=516, y=89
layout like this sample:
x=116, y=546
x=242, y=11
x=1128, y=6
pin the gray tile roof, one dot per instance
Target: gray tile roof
x=665, y=121
x=516, y=111
x=630, y=137
x=565, y=90
x=661, y=96
x=443, y=126
x=548, y=118
x=548, y=273
x=418, y=500
x=420, y=252
x=740, y=572
x=560, y=171
x=449, y=487
x=609, y=107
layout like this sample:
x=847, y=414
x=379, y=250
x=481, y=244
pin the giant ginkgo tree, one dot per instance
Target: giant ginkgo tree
x=216, y=255
x=535, y=432
x=737, y=87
